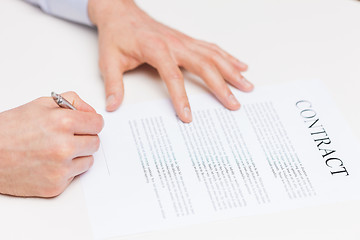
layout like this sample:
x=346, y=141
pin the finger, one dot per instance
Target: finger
x=81, y=165
x=85, y=145
x=212, y=77
x=112, y=69
x=87, y=123
x=79, y=123
x=171, y=74
x=68, y=182
x=236, y=62
x=77, y=102
x=227, y=70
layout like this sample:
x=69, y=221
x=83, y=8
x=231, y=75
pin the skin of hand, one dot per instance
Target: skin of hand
x=128, y=37
x=43, y=147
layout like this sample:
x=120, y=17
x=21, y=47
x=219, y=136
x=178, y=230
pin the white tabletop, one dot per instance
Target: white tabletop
x=281, y=40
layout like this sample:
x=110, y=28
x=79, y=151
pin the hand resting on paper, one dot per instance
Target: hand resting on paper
x=128, y=37
x=43, y=147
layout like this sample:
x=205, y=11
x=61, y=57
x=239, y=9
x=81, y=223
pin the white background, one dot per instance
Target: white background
x=281, y=40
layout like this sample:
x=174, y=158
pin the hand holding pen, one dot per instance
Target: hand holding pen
x=44, y=146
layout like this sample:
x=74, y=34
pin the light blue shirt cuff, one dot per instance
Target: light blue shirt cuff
x=73, y=10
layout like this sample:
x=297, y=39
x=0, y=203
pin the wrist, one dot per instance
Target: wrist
x=99, y=10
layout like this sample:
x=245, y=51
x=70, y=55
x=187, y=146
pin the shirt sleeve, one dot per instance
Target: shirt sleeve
x=73, y=10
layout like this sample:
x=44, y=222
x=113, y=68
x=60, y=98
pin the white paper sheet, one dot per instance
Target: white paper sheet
x=287, y=147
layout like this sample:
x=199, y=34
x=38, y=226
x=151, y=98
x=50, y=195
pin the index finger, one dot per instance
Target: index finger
x=77, y=102
x=81, y=123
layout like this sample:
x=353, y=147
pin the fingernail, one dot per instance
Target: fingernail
x=187, y=114
x=233, y=100
x=247, y=84
x=110, y=100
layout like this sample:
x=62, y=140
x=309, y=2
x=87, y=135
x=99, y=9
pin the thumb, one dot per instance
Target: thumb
x=77, y=102
x=111, y=69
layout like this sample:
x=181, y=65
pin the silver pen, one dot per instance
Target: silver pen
x=62, y=102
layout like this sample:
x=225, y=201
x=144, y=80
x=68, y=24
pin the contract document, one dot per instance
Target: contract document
x=287, y=147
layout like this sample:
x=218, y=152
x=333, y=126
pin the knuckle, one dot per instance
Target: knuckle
x=58, y=176
x=224, y=89
x=67, y=151
x=61, y=119
x=63, y=151
x=53, y=191
x=205, y=66
x=215, y=57
x=202, y=42
x=66, y=122
x=175, y=42
x=214, y=46
x=55, y=184
x=233, y=72
x=158, y=43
